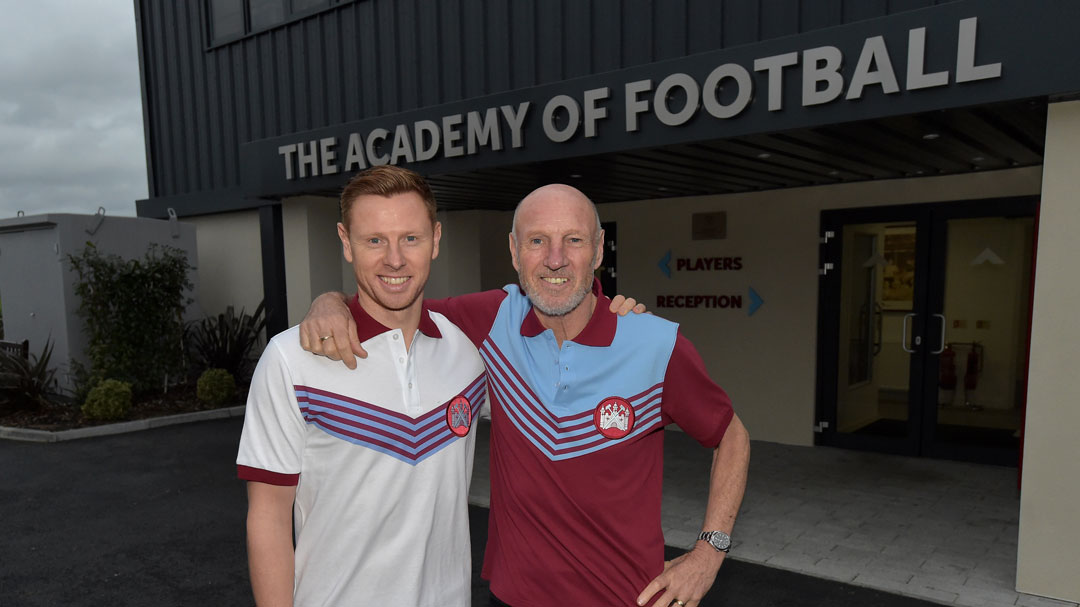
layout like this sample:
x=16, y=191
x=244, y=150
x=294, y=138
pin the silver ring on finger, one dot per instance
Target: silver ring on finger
x=680, y=603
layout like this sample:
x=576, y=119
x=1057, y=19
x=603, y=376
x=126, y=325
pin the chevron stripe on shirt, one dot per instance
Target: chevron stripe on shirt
x=408, y=439
x=560, y=437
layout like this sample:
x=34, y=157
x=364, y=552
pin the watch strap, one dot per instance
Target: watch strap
x=707, y=536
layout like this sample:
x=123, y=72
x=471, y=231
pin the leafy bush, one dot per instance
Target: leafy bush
x=27, y=384
x=109, y=400
x=227, y=341
x=132, y=310
x=215, y=387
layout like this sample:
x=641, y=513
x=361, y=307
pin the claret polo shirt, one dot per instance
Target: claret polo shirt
x=381, y=458
x=577, y=445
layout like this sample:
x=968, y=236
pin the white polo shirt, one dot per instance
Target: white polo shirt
x=381, y=458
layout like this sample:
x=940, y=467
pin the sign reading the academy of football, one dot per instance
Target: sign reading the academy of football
x=859, y=71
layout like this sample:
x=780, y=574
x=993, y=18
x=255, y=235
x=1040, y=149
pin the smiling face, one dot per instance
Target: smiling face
x=556, y=246
x=390, y=242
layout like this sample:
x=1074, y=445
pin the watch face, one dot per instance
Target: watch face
x=720, y=540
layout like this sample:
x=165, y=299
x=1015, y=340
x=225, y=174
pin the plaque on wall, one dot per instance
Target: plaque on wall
x=708, y=226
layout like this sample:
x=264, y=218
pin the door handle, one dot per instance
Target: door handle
x=903, y=334
x=877, y=329
x=941, y=346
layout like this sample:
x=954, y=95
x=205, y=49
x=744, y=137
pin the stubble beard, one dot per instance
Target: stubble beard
x=552, y=308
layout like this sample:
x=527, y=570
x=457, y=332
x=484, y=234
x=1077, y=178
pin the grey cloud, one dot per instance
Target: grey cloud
x=70, y=113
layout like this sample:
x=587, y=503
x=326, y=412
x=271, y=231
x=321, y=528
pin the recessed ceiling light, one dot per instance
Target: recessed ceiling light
x=978, y=159
x=834, y=173
x=919, y=172
x=930, y=136
x=764, y=155
x=575, y=175
x=662, y=188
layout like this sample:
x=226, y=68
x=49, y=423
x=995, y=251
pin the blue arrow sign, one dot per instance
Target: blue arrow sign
x=755, y=302
x=665, y=264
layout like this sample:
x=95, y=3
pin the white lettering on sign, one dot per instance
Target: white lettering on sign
x=743, y=95
x=874, y=68
x=483, y=132
x=677, y=99
x=916, y=63
x=594, y=112
x=571, y=109
x=775, y=67
x=822, y=65
x=426, y=140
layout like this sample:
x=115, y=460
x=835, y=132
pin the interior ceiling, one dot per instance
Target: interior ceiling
x=944, y=142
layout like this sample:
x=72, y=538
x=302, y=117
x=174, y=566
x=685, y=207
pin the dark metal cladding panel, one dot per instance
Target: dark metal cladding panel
x=549, y=38
x=450, y=50
x=498, y=45
x=369, y=58
x=366, y=58
x=864, y=9
x=821, y=14
x=577, y=18
x=607, y=35
x=389, y=64
x=779, y=18
x=472, y=26
x=670, y=19
x=351, y=73
x=742, y=23
x=334, y=74
x=704, y=26
x=408, y=54
x=637, y=37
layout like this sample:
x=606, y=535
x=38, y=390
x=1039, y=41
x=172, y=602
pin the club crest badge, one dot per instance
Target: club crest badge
x=459, y=415
x=614, y=417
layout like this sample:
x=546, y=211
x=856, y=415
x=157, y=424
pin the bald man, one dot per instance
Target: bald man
x=579, y=398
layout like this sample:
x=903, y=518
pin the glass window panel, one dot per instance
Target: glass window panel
x=303, y=6
x=267, y=13
x=226, y=19
x=981, y=382
x=873, y=370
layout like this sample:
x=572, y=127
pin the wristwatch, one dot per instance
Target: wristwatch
x=717, y=539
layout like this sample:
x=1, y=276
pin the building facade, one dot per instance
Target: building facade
x=860, y=211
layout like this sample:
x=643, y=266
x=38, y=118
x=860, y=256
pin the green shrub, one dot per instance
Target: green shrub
x=109, y=400
x=215, y=387
x=227, y=341
x=27, y=384
x=133, y=314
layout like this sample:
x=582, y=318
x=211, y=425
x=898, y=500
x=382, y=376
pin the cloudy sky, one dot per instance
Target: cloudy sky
x=71, y=133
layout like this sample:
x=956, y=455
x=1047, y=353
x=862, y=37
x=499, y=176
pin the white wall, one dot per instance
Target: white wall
x=313, y=258
x=457, y=269
x=1049, y=544
x=766, y=362
x=475, y=254
x=229, y=261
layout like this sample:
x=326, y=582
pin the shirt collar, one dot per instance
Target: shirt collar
x=367, y=327
x=599, y=332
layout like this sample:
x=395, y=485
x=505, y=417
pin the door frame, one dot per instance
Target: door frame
x=931, y=221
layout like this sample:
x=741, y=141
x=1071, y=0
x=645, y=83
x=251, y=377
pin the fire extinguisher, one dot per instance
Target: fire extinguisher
x=947, y=371
x=971, y=376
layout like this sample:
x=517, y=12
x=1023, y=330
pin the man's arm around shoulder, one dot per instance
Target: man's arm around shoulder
x=270, y=543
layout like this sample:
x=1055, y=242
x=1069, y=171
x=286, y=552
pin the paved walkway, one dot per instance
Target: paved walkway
x=157, y=518
x=938, y=530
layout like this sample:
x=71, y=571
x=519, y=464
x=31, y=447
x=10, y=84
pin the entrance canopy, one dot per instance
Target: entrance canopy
x=951, y=89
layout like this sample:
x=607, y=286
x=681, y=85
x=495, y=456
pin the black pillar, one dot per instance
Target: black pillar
x=273, y=268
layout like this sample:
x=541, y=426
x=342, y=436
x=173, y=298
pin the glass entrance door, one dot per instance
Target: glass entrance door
x=924, y=319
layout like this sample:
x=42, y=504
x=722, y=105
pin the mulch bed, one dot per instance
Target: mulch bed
x=67, y=416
